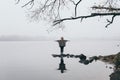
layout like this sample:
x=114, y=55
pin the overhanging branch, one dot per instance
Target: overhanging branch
x=106, y=8
x=88, y=16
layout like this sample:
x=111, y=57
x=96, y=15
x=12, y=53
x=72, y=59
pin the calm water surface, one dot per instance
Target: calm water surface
x=33, y=60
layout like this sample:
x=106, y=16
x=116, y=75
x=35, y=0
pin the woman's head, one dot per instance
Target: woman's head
x=62, y=38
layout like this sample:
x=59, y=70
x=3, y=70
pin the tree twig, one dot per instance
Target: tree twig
x=76, y=5
x=110, y=22
x=17, y=1
x=29, y=3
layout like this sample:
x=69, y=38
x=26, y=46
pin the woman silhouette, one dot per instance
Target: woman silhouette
x=62, y=44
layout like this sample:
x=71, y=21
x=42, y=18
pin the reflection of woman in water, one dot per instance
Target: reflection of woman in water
x=62, y=44
x=62, y=67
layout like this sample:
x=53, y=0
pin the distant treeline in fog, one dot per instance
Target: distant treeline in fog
x=23, y=38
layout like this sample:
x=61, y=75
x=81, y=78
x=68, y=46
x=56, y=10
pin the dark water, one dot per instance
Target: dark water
x=33, y=60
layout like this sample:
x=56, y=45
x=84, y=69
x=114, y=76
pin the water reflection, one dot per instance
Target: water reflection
x=111, y=59
x=82, y=57
x=62, y=66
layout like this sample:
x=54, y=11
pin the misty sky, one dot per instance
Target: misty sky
x=13, y=21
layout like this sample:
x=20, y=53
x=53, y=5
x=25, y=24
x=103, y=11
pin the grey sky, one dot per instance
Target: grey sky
x=13, y=21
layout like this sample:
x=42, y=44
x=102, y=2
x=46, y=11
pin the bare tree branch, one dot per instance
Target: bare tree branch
x=73, y=2
x=88, y=16
x=29, y=3
x=17, y=1
x=110, y=22
x=106, y=8
x=52, y=10
x=76, y=5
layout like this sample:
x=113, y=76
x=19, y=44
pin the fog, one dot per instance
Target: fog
x=14, y=21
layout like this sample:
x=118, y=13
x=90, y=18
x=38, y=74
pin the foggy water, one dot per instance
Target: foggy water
x=33, y=60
